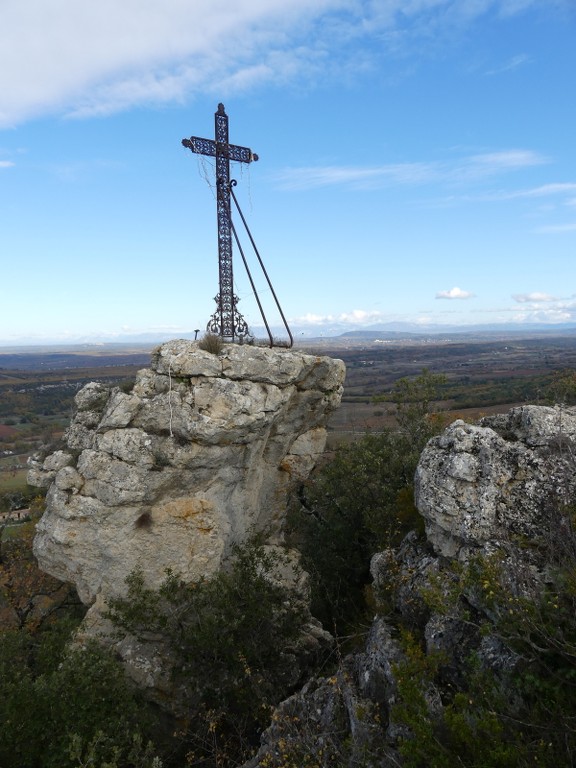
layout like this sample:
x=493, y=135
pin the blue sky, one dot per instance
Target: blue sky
x=417, y=162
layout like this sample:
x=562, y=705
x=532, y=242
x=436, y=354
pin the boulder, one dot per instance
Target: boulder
x=203, y=452
x=481, y=486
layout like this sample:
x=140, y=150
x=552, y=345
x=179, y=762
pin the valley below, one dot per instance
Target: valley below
x=484, y=374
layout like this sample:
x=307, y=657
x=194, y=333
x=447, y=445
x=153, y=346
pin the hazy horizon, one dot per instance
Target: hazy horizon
x=304, y=335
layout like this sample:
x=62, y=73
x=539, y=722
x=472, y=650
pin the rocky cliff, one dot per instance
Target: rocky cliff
x=200, y=453
x=496, y=494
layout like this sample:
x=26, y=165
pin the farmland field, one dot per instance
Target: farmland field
x=484, y=374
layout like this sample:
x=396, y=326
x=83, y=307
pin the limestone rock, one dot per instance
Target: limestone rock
x=480, y=485
x=338, y=720
x=497, y=487
x=203, y=452
x=42, y=473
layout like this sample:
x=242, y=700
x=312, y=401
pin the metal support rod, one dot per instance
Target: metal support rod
x=233, y=184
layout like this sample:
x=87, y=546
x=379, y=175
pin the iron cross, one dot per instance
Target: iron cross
x=226, y=321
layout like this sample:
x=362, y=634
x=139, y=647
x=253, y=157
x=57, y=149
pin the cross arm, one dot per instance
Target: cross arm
x=213, y=148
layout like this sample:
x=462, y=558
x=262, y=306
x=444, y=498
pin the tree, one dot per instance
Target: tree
x=562, y=389
x=232, y=641
x=360, y=502
x=80, y=703
x=60, y=706
x=414, y=399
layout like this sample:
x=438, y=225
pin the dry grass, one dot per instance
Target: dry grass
x=212, y=343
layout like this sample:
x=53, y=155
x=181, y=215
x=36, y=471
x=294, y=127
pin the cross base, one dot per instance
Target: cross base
x=230, y=325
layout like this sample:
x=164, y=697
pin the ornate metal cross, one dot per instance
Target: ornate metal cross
x=226, y=321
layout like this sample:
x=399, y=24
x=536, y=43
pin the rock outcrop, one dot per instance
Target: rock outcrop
x=497, y=489
x=479, y=486
x=200, y=453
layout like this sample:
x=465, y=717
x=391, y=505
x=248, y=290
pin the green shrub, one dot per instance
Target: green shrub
x=359, y=503
x=518, y=715
x=73, y=702
x=232, y=641
x=362, y=502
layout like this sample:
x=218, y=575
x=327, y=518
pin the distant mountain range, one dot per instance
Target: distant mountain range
x=405, y=331
x=419, y=328
x=396, y=330
x=384, y=331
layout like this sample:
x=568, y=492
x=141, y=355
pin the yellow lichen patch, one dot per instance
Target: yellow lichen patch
x=188, y=507
x=198, y=510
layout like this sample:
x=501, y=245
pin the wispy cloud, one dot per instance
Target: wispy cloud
x=454, y=293
x=545, y=190
x=514, y=63
x=553, y=229
x=464, y=169
x=359, y=177
x=559, y=196
x=490, y=163
x=6, y=164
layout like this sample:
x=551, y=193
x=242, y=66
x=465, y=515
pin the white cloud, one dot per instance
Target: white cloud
x=354, y=317
x=540, y=307
x=536, y=296
x=360, y=317
x=550, y=316
x=6, y=164
x=80, y=58
x=312, y=319
x=454, y=293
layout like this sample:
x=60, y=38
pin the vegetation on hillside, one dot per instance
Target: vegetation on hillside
x=523, y=714
x=233, y=638
x=362, y=502
x=232, y=641
x=60, y=707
